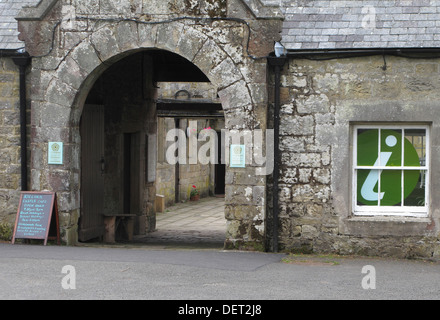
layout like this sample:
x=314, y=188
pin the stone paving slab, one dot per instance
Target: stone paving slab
x=189, y=224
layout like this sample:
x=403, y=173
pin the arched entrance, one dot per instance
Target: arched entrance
x=68, y=62
x=123, y=145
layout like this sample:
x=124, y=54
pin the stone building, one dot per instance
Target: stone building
x=351, y=101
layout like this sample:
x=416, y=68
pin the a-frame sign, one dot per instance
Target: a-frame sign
x=37, y=217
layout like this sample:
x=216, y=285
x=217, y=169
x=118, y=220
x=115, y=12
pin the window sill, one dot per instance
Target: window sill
x=391, y=214
x=387, y=226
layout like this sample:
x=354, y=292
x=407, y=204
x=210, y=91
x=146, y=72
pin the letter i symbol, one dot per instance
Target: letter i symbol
x=367, y=191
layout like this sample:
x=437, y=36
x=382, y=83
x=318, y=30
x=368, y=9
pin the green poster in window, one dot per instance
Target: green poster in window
x=385, y=184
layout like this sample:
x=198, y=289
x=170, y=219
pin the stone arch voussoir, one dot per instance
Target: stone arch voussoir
x=87, y=60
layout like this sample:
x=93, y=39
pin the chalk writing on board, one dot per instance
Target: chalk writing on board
x=34, y=215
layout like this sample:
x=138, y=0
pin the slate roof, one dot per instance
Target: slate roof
x=336, y=24
x=8, y=25
x=318, y=24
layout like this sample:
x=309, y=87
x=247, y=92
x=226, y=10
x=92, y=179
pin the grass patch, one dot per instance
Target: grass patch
x=309, y=259
x=6, y=231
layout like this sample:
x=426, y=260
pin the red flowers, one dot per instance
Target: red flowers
x=193, y=191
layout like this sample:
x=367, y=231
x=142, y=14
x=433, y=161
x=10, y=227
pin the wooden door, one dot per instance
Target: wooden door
x=132, y=173
x=220, y=169
x=91, y=223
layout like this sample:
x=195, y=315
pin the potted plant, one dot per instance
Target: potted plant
x=194, y=194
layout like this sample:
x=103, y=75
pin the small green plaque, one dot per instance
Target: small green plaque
x=237, y=156
x=55, y=153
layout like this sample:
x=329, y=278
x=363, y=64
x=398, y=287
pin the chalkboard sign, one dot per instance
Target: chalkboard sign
x=37, y=217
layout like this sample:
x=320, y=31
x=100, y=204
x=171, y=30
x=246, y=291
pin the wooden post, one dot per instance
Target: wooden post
x=109, y=235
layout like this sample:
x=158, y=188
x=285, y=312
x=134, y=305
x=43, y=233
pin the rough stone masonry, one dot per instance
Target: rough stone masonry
x=321, y=101
x=9, y=140
x=74, y=42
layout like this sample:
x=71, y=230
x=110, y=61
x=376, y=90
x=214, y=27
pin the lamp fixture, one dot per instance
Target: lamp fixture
x=280, y=50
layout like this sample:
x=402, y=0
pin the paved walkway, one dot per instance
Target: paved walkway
x=190, y=224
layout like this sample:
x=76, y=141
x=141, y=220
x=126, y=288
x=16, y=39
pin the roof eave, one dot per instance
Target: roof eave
x=398, y=51
x=13, y=53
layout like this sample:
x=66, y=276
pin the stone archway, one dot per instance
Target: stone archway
x=63, y=75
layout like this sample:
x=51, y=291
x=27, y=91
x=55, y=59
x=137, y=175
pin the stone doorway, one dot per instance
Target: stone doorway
x=127, y=168
x=228, y=46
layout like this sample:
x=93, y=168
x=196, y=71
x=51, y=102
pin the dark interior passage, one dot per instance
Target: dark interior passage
x=118, y=175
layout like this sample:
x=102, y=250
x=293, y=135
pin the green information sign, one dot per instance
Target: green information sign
x=389, y=179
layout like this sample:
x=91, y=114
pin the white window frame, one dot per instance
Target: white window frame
x=409, y=211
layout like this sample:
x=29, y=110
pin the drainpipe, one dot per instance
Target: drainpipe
x=277, y=63
x=22, y=61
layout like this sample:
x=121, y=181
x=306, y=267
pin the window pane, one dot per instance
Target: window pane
x=415, y=147
x=367, y=187
x=367, y=146
x=391, y=147
x=391, y=187
x=414, y=192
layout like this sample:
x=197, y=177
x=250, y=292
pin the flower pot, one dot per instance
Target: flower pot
x=195, y=198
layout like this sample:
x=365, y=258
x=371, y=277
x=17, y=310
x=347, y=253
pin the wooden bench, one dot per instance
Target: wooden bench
x=111, y=223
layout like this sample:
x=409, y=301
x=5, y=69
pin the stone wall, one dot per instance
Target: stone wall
x=202, y=176
x=9, y=140
x=165, y=173
x=321, y=100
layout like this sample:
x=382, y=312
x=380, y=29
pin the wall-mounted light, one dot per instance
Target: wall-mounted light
x=280, y=50
x=180, y=93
